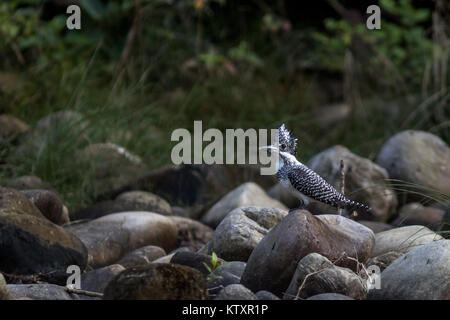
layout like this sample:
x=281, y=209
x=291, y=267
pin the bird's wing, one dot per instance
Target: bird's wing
x=312, y=185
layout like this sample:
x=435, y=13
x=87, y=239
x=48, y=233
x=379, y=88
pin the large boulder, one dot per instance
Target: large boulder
x=403, y=239
x=158, y=281
x=420, y=158
x=241, y=231
x=421, y=274
x=272, y=263
x=110, y=237
x=365, y=181
x=32, y=245
x=248, y=194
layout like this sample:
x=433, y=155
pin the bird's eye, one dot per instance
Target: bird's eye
x=283, y=146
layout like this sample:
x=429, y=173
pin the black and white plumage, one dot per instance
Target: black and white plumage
x=303, y=181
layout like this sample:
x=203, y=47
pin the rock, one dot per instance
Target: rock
x=420, y=274
x=142, y=256
x=273, y=262
x=165, y=259
x=420, y=158
x=145, y=201
x=112, y=167
x=416, y=214
x=365, y=181
x=31, y=245
x=28, y=183
x=316, y=274
x=402, y=239
x=49, y=204
x=227, y=273
x=180, y=212
x=55, y=127
x=376, y=226
x=11, y=127
x=157, y=281
x=236, y=292
x=191, y=233
x=248, y=194
x=97, y=280
x=282, y=194
x=40, y=292
x=329, y=296
x=12, y=201
x=195, y=260
x=195, y=187
x=128, y=201
x=266, y=295
x=4, y=293
x=384, y=260
x=110, y=237
x=241, y=231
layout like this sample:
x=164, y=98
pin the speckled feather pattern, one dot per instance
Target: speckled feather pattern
x=296, y=175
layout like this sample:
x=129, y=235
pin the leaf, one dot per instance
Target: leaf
x=214, y=259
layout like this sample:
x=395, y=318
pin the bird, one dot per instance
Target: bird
x=302, y=181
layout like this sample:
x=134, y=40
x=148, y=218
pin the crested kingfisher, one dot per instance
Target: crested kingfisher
x=301, y=180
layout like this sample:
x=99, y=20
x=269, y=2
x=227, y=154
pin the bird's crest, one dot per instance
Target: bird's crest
x=287, y=140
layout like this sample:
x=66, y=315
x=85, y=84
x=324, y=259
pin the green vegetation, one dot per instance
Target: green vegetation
x=139, y=69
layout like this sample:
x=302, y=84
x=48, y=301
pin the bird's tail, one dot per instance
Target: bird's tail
x=356, y=206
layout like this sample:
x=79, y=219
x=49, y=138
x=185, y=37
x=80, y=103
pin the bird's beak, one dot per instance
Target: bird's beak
x=270, y=149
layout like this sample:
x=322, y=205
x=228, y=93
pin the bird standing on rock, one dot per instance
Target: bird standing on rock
x=302, y=181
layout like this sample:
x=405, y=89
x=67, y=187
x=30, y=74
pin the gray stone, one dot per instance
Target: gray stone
x=228, y=273
x=235, y=292
x=365, y=181
x=402, y=239
x=196, y=261
x=40, y=292
x=241, y=231
x=110, y=237
x=266, y=295
x=273, y=262
x=248, y=194
x=97, y=280
x=329, y=296
x=421, y=274
x=282, y=194
x=316, y=274
x=157, y=281
x=416, y=214
x=145, y=201
x=142, y=256
x=420, y=158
